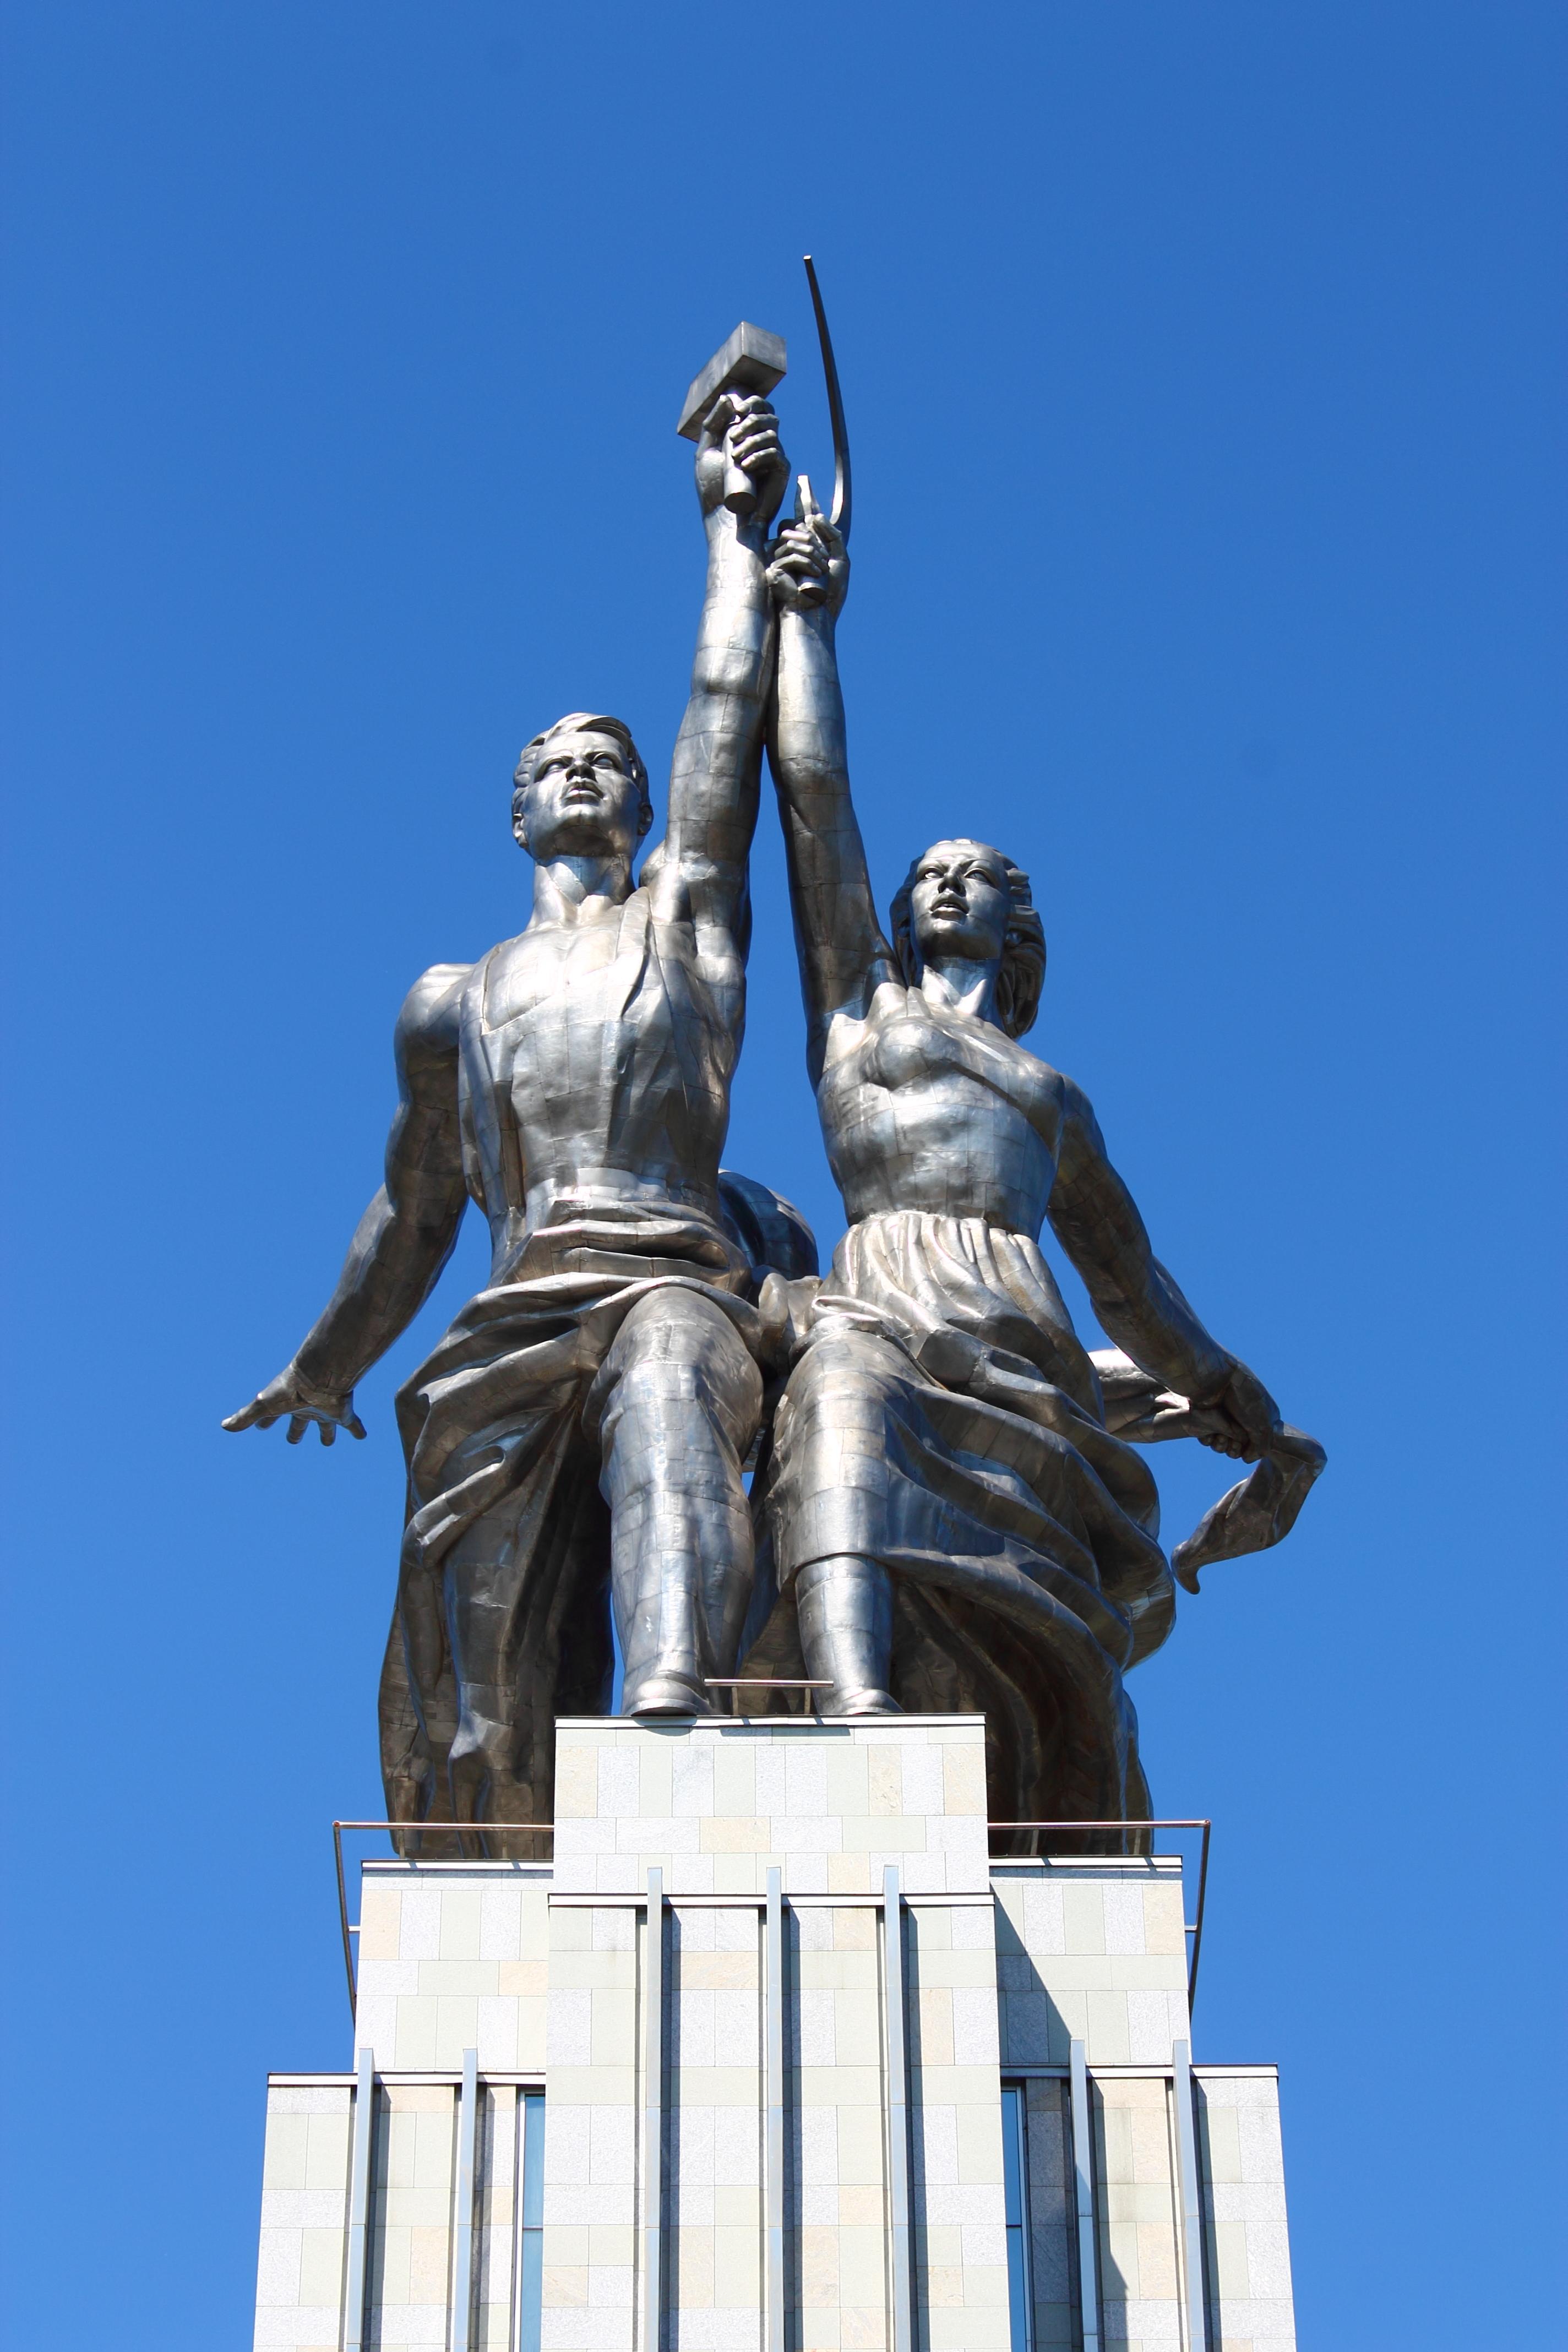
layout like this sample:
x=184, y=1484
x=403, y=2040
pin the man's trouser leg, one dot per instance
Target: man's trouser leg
x=681, y=1399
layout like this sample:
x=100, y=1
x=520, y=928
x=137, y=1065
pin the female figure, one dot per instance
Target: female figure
x=954, y=1526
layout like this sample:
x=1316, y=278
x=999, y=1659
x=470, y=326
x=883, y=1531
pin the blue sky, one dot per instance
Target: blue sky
x=1205, y=370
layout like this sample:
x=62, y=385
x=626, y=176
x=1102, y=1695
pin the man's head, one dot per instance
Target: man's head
x=965, y=901
x=580, y=789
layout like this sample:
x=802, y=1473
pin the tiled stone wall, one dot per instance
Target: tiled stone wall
x=1092, y=1951
x=544, y=1972
x=713, y=2130
x=591, y=2167
x=1053, y=2243
x=304, y=2217
x=1251, y=2303
x=836, y=2289
x=1139, y=2210
x=453, y=1956
x=715, y=1804
x=961, y=2255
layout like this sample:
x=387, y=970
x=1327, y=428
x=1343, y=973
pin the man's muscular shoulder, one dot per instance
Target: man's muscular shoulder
x=425, y=1039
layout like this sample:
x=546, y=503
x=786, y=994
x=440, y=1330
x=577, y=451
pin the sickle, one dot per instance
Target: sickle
x=841, y=489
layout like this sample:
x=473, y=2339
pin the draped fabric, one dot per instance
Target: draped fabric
x=499, y=1428
x=944, y=1421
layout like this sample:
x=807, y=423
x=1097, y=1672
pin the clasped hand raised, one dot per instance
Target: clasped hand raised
x=742, y=430
x=809, y=564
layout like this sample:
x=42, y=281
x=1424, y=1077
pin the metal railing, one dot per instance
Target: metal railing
x=766, y=1682
x=411, y=1829
x=1194, y=1927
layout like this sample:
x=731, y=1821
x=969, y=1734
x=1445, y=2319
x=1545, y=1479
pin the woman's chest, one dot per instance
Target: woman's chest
x=944, y=1070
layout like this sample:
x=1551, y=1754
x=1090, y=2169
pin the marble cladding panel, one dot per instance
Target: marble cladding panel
x=409, y=2257
x=591, y=2188
x=957, y=2202
x=837, y=2283
x=1250, y=2296
x=495, y=2216
x=453, y=1957
x=1052, y=2195
x=717, y=1803
x=1138, y=2211
x=1093, y=1951
x=304, y=2217
x=714, y=2130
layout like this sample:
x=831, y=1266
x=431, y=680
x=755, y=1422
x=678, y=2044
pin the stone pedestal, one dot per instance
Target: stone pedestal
x=772, y=2055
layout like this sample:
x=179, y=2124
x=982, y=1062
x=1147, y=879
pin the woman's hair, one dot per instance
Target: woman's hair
x=587, y=723
x=1023, y=972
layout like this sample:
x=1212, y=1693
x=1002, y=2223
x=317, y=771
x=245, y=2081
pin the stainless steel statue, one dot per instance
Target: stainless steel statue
x=589, y=1411
x=957, y=1520
x=953, y=1512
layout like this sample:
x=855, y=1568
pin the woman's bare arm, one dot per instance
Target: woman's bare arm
x=1096, y=1219
x=843, y=955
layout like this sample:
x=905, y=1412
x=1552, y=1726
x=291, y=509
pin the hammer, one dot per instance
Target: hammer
x=752, y=361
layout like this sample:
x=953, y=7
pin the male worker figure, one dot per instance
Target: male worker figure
x=575, y=1083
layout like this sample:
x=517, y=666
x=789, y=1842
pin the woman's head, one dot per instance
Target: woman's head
x=964, y=902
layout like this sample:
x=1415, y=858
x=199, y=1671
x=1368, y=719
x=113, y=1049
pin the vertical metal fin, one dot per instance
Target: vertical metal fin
x=774, y=1982
x=463, y=2230
x=1192, y=2198
x=898, y=2112
x=653, y=2117
x=359, y=2200
x=1083, y=2173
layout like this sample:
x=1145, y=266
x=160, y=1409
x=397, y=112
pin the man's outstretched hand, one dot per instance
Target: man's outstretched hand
x=290, y=1393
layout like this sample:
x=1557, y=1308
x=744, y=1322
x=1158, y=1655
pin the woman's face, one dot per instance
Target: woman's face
x=960, y=903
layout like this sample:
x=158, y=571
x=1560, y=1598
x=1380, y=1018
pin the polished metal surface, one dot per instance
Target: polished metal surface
x=362, y=2148
x=652, y=2114
x=1190, y=2181
x=951, y=1510
x=957, y=1517
x=776, y=2090
x=463, y=2215
x=843, y=484
x=901, y=2237
x=1083, y=2189
x=584, y=1420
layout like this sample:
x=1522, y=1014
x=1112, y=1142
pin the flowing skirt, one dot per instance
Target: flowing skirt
x=943, y=1420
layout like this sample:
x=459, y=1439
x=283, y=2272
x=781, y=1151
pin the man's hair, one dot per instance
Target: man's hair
x=584, y=722
x=1023, y=972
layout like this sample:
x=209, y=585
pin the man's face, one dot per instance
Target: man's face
x=960, y=902
x=583, y=801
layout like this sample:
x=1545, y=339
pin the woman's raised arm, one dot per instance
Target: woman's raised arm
x=843, y=955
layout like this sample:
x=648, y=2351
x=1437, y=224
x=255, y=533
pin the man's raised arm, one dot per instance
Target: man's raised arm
x=717, y=754
x=405, y=1237
x=1096, y=1220
x=838, y=939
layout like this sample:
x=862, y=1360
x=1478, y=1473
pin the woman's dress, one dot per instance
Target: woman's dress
x=943, y=1420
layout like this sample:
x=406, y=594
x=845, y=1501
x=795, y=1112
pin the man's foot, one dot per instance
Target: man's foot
x=665, y=1695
